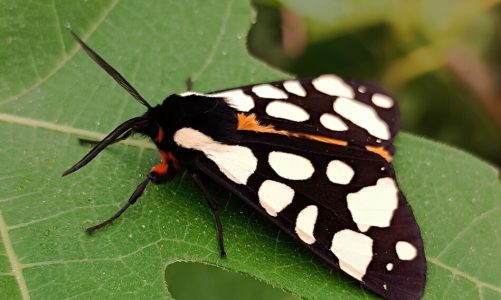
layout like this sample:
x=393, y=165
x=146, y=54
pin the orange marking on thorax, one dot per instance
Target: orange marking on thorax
x=160, y=135
x=163, y=167
x=250, y=123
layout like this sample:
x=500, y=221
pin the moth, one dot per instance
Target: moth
x=312, y=155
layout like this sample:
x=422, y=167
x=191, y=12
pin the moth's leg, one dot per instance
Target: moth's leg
x=133, y=198
x=213, y=204
x=154, y=176
x=189, y=84
x=126, y=135
x=158, y=174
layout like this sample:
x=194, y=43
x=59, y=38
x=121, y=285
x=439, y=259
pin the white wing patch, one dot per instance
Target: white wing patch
x=236, y=99
x=382, y=101
x=333, y=85
x=405, y=250
x=290, y=166
x=189, y=93
x=362, y=115
x=339, y=172
x=354, y=251
x=275, y=196
x=305, y=224
x=269, y=91
x=374, y=205
x=286, y=110
x=333, y=122
x=294, y=87
x=237, y=163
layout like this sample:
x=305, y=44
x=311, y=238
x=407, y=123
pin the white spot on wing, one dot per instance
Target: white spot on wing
x=189, y=93
x=238, y=163
x=354, y=251
x=295, y=87
x=333, y=122
x=269, y=91
x=339, y=172
x=362, y=115
x=275, y=196
x=374, y=205
x=236, y=99
x=290, y=166
x=389, y=266
x=382, y=101
x=305, y=224
x=286, y=110
x=405, y=250
x=333, y=85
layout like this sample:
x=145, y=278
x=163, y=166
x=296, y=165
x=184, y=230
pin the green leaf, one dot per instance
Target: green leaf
x=51, y=93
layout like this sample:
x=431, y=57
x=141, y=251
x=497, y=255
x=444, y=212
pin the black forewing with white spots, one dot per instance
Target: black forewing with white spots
x=340, y=201
x=361, y=113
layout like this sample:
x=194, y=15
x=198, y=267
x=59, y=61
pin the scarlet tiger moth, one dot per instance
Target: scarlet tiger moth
x=312, y=155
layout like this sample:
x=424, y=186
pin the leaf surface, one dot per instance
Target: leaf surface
x=51, y=94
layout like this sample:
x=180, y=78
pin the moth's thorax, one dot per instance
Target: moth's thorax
x=210, y=115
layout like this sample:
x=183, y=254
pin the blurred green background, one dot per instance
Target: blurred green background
x=440, y=59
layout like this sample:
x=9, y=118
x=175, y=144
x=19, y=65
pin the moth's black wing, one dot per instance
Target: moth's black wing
x=359, y=112
x=341, y=202
x=387, y=258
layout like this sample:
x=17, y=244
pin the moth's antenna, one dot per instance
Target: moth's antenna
x=113, y=73
x=112, y=137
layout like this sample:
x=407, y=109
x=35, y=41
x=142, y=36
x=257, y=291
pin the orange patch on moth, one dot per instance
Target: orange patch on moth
x=160, y=169
x=250, y=123
x=167, y=159
x=160, y=135
x=322, y=139
x=381, y=151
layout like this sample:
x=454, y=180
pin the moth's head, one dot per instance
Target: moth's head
x=145, y=124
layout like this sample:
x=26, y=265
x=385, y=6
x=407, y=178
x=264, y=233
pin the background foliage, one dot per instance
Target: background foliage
x=442, y=60
x=51, y=94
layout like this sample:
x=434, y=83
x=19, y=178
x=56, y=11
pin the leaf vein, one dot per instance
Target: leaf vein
x=7, y=118
x=11, y=255
x=65, y=59
x=58, y=24
x=465, y=229
x=456, y=272
x=217, y=42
